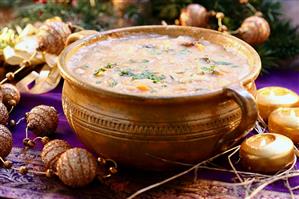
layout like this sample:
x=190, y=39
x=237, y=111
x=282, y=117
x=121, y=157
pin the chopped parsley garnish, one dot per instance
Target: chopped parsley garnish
x=184, y=51
x=101, y=70
x=222, y=63
x=145, y=61
x=149, y=46
x=208, y=61
x=144, y=75
x=112, y=83
x=168, y=49
x=126, y=73
x=205, y=59
x=109, y=65
x=209, y=69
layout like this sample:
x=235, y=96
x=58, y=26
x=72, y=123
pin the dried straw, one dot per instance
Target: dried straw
x=246, y=179
x=270, y=181
x=179, y=175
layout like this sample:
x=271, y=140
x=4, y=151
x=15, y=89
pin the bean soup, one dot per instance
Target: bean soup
x=160, y=65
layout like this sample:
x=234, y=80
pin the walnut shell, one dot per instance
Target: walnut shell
x=42, y=120
x=52, y=151
x=11, y=95
x=5, y=141
x=76, y=167
x=1, y=95
x=3, y=114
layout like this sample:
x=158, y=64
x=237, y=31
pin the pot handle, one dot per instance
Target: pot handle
x=79, y=35
x=249, y=115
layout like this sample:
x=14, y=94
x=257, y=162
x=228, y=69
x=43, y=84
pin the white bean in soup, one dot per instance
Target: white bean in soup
x=152, y=64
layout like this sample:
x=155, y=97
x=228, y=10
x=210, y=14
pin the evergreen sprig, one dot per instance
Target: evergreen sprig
x=82, y=13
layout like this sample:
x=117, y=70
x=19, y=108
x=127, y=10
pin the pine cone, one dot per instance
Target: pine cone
x=5, y=140
x=52, y=151
x=42, y=120
x=52, y=36
x=76, y=167
x=1, y=95
x=3, y=114
x=11, y=95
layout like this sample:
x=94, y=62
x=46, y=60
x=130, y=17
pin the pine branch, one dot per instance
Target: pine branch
x=83, y=14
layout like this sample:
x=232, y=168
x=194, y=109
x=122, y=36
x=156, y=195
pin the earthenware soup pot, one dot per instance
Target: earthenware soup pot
x=152, y=132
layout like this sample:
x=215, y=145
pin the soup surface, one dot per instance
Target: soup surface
x=152, y=64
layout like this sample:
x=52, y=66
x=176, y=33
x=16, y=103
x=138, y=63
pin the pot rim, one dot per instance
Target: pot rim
x=250, y=77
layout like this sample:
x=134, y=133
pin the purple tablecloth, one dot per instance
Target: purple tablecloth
x=14, y=185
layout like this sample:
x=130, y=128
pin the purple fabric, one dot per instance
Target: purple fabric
x=287, y=78
x=28, y=101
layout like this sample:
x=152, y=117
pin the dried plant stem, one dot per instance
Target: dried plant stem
x=169, y=161
x=287, y=184
x=23, y=65
x=295, y=188
x=247, y=188
x=11, y=109
x=26, y=132
x=15, y=72
x=1, y=160
x=30, y=171
x=270, y=181
x=212, y=168
x=219, y=20
x=234, y=32
x=20, y=69
x=194, y=189
x=232, y=165
x=21, y=119
x=37, y=138
x=231, y=171
x=209, y=168
x=285, y=174
x=259, y=129
x=245, y=182
x=278, y=174
x=262, y=122
x=180, y=174
x=195, y=174
x=215, y=165
x=251, y=8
